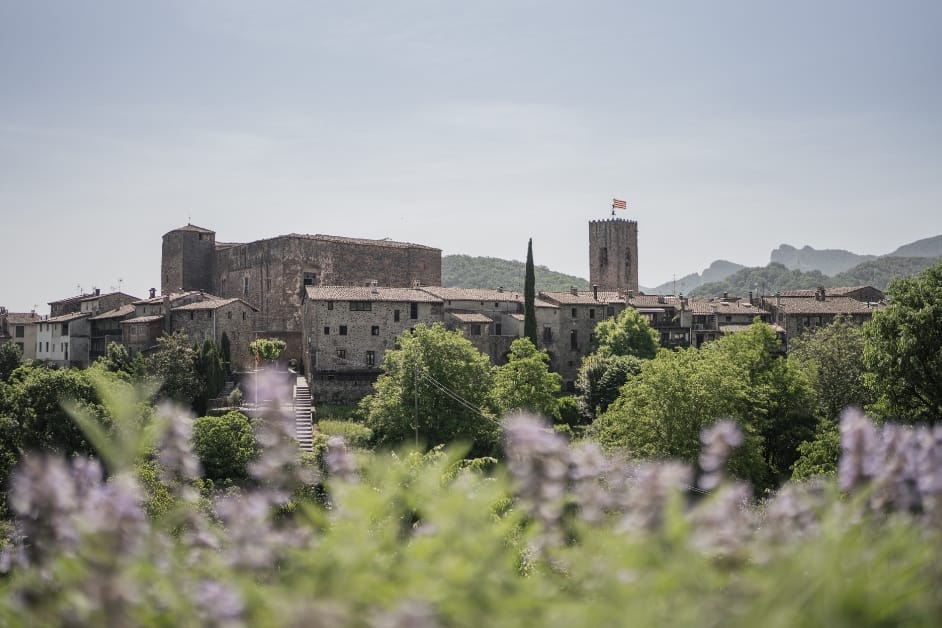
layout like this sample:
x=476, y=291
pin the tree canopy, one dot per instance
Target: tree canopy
x=661, y=411
x=439, y=376
x=267, y=349
x=225, y=446
x=904, y=348
x=627, y=334
x=525, y=382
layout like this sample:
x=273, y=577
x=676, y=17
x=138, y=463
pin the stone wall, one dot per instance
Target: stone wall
x=613, y=254
x=236, y=320
x=188, y=260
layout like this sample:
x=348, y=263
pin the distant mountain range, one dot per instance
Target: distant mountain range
x=789, y=269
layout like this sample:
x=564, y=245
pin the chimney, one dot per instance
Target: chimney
x=630, y=294
x=416, y=283
x=97, y=292
x=750, y=298
x=726, y=296
x=660, y=298
x=595, y=291
x=373, y=287
x=153, y=292
x=778, y=299
x=573, y=290
x=820, y=293
x=500, y=289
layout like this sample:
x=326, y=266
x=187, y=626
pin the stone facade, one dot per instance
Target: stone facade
x=272, y=274
x=64, y=340
x=801, y=314
x=347, y=331
x=613, y=255
x=106, y=328
x=20, y=329
x=212, y=317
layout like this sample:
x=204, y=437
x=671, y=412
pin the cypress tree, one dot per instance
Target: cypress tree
x=529, y=298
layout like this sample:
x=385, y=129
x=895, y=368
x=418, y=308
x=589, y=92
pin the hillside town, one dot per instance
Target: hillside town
x=339, y=303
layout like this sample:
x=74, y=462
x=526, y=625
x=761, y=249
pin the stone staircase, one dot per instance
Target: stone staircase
x=304, y=429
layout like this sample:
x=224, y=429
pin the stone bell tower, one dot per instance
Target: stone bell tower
x=613, y=254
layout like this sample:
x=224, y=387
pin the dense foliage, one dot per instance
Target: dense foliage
x=561, y=536
x=464, y=271
x=627, y=334
x=434, y=387
x=904, y=348
x=526, y=383
x=225, y=446
x=662, y=410
x=267, y=349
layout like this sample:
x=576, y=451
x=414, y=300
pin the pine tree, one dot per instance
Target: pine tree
x=529, y=298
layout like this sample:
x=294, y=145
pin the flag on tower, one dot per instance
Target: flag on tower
x=619, y=204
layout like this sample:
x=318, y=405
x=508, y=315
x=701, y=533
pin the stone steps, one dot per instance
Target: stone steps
x=303, y=426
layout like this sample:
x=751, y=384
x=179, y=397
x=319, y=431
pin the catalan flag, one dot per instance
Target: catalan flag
x=619, y=204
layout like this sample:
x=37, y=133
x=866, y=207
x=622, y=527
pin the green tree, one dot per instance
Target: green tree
x=904, y=349
x=10, y=358
x=525, y=382
x=225, y=347
x=439, y=377
x=662, y=410
x=819, y=456
x=831, y=358
x=600, y=379
x=173, y=364
x=627, y=334
x=529, y=298
x=225, y=446
x=267, y=349
x=117, y=359
x=209, y=366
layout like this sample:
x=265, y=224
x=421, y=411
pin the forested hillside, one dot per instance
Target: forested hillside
x=465, y=271
x=776, y=277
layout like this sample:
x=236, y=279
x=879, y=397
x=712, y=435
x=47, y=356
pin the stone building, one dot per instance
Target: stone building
x=711, y=318
x=106, y=328
x=800, y=314
x=272, y=274
x=613, y=255
x=212, y=317
x=347, y=330
x=64, y=339
x=20, y=329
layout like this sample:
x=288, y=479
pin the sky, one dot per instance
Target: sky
x=729, y=127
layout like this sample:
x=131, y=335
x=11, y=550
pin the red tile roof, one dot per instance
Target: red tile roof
x=367, y=293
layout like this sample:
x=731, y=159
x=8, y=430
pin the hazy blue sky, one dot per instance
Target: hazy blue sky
x=730, y=127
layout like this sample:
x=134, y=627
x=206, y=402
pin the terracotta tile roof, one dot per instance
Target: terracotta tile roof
x=174, y=296
x=366, y=293
x=830, y=305
x=209, y=304
x=75, y=299
x=710, y=306
x=109, y=294
x=118, y=312
x=65, y=318
x=518, y=317
x=394, y=244
x=471, y=318
x=654, y=300
x=583, y=297
x=474, y=294
x=22, y=318
x=838, y=291
x=143, y=319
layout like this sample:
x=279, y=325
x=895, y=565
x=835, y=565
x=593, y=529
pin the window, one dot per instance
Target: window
x=245, y=286
x=310, y=279
x=496, y=305
x=192, y=314
x=374, y=330
x=497, y=329
x=396, y=315
x=47, y=347
x=326, y=331
x=65, y=329
x=19, y=331
x=476, y=329
x=343, y=330
x=229, y=315
x=573, y=312
x=574, y=340
x=361, y=306
x=547, y=333
x=65, y=350
x=371, y=358
x=413, y=310
x=243, y=315
x=342, y=354
x=330, y=305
